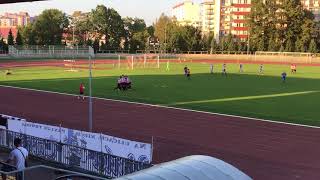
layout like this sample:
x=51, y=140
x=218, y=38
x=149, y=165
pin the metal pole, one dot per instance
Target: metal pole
x=90, y=94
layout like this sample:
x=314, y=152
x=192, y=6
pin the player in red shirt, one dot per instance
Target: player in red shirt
x=81, y=91
x=293, y=68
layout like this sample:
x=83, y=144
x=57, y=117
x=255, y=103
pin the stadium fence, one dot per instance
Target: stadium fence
x=51, y=51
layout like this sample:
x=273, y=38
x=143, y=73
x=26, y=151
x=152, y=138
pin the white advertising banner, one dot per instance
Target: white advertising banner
x=82, y=139
x=37, y=130
x=16, y=126
x=133, y=150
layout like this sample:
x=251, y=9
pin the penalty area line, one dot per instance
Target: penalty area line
x=167, y=107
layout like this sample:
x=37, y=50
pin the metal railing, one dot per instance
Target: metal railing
x=44, y=172
x=73, y=157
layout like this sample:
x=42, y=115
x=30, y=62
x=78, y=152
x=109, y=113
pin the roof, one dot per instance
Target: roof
x=190, y=168
x=4, y=31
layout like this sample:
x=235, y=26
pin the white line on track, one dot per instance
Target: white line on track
x=168, y=107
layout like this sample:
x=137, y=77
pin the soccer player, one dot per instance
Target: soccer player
x=293, y=68
x=224, y=69
x=188, y=74
x=241, y=68
x=211, y=68
x=81, y=91
x=168, y=68
x=185, y=70
x=261, y=69
x=284, y=76
x=118, y=87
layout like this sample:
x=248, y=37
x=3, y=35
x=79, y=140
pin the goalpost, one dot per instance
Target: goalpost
x=287, y=57
x=139, y=61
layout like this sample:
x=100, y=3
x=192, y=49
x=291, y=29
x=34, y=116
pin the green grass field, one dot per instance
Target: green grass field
x=246, y=94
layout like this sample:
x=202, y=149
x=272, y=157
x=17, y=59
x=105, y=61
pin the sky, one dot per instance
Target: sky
x=148, y=10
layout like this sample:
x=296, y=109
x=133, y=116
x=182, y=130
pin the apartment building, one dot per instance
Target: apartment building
x=207, y=15
x=11, y=21
x=313, y=6
x=14, y=19
x=218, y=17
x=187, y=13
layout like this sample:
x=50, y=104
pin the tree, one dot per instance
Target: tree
x=103, y=46
x=10, y=38
x=231, y=46
x=96, y=45
x=28, y=34
x=213, y=46
x=136, y=34
x=49, y=26
x=273, y=45
x=276, y=22
x=289, y=46
x=108, y=22
x=164, y=28
x=19, y=39
x=313, y=46
x=3, y=45
x=150, y=30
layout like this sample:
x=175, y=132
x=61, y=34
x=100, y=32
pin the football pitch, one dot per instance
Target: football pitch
x=245, y=94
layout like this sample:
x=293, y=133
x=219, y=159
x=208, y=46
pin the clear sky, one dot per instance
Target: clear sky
x=148, y=10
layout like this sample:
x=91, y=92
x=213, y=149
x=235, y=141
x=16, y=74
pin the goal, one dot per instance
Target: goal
x=286, y=57
x=139, y=61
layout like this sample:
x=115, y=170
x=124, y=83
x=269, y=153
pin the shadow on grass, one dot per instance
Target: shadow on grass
x=295, y=101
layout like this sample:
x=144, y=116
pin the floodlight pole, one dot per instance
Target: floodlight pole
x=90, y=94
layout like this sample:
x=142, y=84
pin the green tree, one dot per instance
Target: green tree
x=313, y=46
x=280, y=22
x=49, y=26
x=273, y=45
x=299, y=46
x=164, y=28
x=213, y=46
x=28, y=34
x=150, y=30
x=230, y=42
x=10, y=38
x=96, y=45
x=108, y=22
x=289, y=46
x=19, y=40
x=3, y=45
x=136, y=34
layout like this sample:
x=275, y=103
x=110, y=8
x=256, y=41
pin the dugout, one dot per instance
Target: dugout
x=190, y=168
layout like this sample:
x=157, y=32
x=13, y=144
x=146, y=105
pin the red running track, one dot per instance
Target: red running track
x=78, y=63
x=263, y=150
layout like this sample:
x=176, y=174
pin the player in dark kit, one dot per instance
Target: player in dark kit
x=185, y=69
x=188, y=74
x=224, y=69
x=283, y=77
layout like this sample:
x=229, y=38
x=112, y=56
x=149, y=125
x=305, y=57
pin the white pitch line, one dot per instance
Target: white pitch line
x=167, y=107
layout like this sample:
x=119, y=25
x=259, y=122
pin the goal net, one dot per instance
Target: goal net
x=292, y=54
x=139, y=61
x=286, y=57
